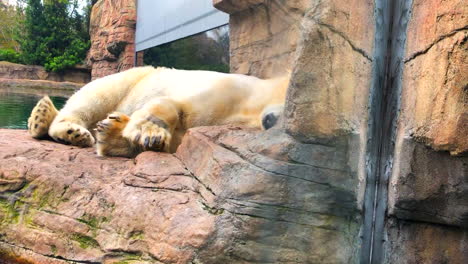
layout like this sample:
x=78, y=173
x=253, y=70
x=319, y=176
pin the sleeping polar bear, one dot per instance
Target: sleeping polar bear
x=150, y=108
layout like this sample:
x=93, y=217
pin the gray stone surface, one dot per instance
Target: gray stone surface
x=429, y=186
x=413, y=242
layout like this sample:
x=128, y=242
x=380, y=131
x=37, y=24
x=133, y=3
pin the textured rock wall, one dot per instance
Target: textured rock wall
x=435, y=108
x=10, y=70
x=327, y=101
x=428, y=191
x=263, y=35
x=112, y=30
x=417, y=242
x=329, y=91
x=433, y=113
x=328, y=45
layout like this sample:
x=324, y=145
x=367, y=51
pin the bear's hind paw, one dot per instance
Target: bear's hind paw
x=41, y=117
x=110, y=141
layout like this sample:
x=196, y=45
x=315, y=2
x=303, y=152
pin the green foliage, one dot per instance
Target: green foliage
x=10, y=55
x=9, y=19
x=72, y=56
x=31, y=34
x=53, y=34
x=194, y=53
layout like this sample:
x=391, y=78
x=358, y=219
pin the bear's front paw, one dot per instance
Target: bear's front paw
x=149, y=132
x=66, y=132
x=41, y=117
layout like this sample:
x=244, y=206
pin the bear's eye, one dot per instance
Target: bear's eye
x=269, y=121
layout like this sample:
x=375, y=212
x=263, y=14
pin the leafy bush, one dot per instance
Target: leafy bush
x=10, y=55
x=53, y=34
x=72, y=56
x=9, y=20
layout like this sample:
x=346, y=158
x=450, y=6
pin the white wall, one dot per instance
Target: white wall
x=162, y=21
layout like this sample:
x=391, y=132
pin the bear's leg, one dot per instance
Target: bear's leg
x=41, y=117
x=110, y=141
x=70, y=130
x=151, y=127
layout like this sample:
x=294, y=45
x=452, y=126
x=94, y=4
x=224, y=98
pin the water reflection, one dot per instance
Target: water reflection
x=16, y=106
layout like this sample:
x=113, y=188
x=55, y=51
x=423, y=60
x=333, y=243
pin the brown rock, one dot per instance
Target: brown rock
x=428, y=184
x=413, y=243
x=328, y=94
x=218, y=200
x=434, y=96
x=427, y=203
x=112, y=30
x=230, y=6
x=40, y=87
x=263, y=35
x=108, y=209
x=13, y=255
x=432, y=21
x=8, y=70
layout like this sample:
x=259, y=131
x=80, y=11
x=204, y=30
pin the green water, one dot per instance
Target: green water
x=15, y=107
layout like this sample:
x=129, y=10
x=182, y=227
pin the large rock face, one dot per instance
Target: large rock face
x=328, y=95
x=435, y=102
x=217, y=200
x=112, y=30
x=428, y=191
x=430, y=184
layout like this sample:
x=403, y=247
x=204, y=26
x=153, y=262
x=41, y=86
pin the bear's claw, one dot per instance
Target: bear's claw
x=148, y=132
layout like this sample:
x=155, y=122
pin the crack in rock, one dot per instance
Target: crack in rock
x=439, y=39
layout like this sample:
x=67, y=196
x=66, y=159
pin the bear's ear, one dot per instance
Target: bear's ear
x=270, y=115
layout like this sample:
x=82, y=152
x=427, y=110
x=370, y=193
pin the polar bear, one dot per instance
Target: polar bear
x=148, y=108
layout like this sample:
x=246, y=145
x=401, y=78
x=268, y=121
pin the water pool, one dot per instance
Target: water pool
x=16, y=106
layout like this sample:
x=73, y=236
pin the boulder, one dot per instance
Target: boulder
x=217, y=200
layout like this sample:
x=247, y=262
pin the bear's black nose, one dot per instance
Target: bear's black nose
x=269, y=120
